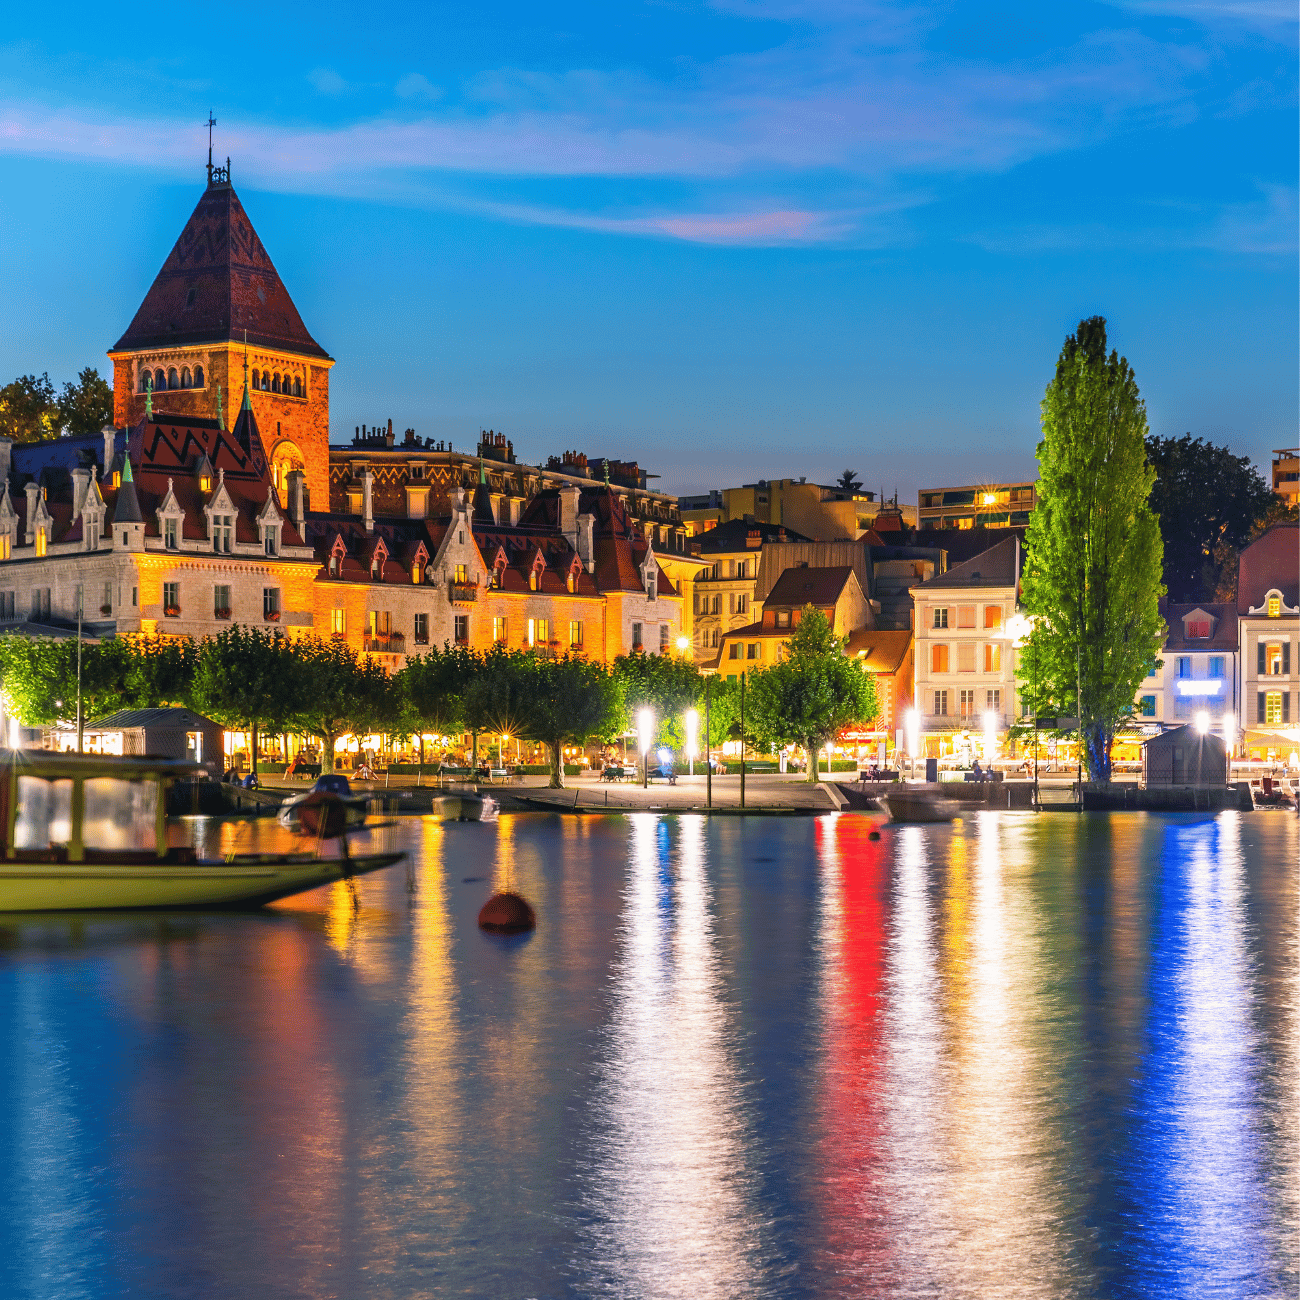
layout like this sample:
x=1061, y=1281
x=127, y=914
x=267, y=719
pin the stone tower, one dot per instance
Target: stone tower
x=218, y=300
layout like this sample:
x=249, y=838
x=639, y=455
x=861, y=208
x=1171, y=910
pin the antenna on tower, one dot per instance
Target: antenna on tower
x=212, y=121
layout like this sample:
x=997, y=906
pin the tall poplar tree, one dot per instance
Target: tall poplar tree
x=1091, y=582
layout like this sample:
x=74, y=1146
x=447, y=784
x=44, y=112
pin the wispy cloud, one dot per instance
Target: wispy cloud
x=846, y=116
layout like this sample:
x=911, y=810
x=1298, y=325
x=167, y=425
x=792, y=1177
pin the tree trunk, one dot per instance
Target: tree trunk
x=557, y=765
x=253, y=746
x=1096, y=751
x=814, y=757
x=327, y=753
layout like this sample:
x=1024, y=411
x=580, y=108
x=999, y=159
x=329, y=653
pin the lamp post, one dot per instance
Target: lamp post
x=692, y=730
x=645, y=722
x=913, y=722
x=742, y=740
x=708, y=755
x=1229, y=743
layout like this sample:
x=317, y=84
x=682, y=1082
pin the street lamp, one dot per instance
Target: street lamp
x=692, y=731
x=1229, y=742
x=1202, y=722
x=683, y=644
x=645, y=726
x=913, y=722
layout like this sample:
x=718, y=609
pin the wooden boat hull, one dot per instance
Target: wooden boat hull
x=244, y=881
x=919, y=805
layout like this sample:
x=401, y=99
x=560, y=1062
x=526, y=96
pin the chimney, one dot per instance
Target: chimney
x=110, y=447
x=586, y=546
x=33, y=490
x=6, y=461
x=367, y=506
x=569, y=496
x=388, y=437
x=296, y=509
x=80, y=485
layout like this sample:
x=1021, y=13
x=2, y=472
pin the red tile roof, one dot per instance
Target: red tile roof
x=798, y=587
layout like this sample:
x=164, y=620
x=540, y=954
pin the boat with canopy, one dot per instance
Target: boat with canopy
x=85, y=831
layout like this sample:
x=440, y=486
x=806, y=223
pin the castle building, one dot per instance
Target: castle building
x=170, y=523
x=217, y=302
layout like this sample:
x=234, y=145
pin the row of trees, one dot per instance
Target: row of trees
x=31, y=410
x=249, y=680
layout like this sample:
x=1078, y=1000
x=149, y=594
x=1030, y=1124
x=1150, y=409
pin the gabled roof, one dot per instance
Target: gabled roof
x=733, y=536
x=882, y=650
x=995, y=567
x=1270, y=562
x=798, y=587
x=1223, y=626
x=151, y=718
x=217, y=283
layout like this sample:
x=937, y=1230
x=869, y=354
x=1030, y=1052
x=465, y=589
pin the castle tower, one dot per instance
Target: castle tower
x=217, y=300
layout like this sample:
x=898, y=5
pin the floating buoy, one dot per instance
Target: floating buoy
x=507, y=913
x=873, y=835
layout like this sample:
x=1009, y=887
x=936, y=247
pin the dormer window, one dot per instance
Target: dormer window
x=1275, y=607
x=417, y=573
x=170, y=532
x=271, y=539
x=223, y=527
x=117, y=478
x=4, y=546
x=334, y=566
x=1198, y=629
x=205, y=482
x=40, y=543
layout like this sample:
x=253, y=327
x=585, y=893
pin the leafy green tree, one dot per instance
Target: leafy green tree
x=249, y=680
x=1091, y=582
x=433, y=687
x=814, y=694
x=496, y=696
x=345, y=692
x=87, y=405
x=566, y=702
x=1207, y=501
x=28, y=409
x=159, y=671
x=667, y=684
x=39, y=678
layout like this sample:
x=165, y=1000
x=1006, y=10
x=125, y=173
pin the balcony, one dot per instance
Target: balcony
x=385, y=643
x=463, y=593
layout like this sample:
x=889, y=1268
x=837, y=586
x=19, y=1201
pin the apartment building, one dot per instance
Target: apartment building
x=1286, y=474
x=965, y=649
x=722, y=593
x=976, y=505
x=1198, y=668
x=1268, y=612
x=816, y=511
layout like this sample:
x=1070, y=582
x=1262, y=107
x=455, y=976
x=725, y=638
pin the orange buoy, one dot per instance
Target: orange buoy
x=507, y=913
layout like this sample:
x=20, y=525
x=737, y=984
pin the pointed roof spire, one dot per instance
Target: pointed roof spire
x=128, y=504
x=217, y=282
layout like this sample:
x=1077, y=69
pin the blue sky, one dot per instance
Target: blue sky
x=734, y=239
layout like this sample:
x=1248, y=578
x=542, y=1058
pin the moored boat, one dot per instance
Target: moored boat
x=919, y=803
x=83, y=832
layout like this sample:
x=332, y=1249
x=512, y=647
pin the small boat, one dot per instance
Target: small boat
x=920, y=803
x=83, y=832
x=330, y=783
x=464, y=806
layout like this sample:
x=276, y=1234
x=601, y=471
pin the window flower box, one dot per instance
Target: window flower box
x=271, y=615
x=220, y=613
x=464, y=592
x=106, y=609
x=172, y=611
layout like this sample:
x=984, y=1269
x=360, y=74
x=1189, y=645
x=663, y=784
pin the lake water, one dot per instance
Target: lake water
x=1017, y=1056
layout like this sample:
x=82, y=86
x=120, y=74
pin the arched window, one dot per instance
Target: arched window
x=275, y=383
x=145, y=379
x=173, y=379
x=255, y=383
x=159, y=381
x=186, y=382
x=266, y=382
x=198, y=376
x=297, y=387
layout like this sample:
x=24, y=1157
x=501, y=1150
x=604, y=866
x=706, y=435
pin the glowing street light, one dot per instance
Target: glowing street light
x=645, y=727
x=1229, y=733
x=692, y=721
x=913, y=724
x=683, y=644
x=1202, y=722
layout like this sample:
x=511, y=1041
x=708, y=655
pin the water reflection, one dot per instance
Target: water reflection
x=668, y=1182
x=1015, y=1056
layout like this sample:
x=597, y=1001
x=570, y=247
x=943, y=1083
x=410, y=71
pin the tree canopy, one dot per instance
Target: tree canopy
x=29, y=411
x=1207, y=501
x=814, y=693
x=668, y=685
x=85, y=406
x=347, y=692
x=1091, y=582
x=39, y=678
x=566, y=702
